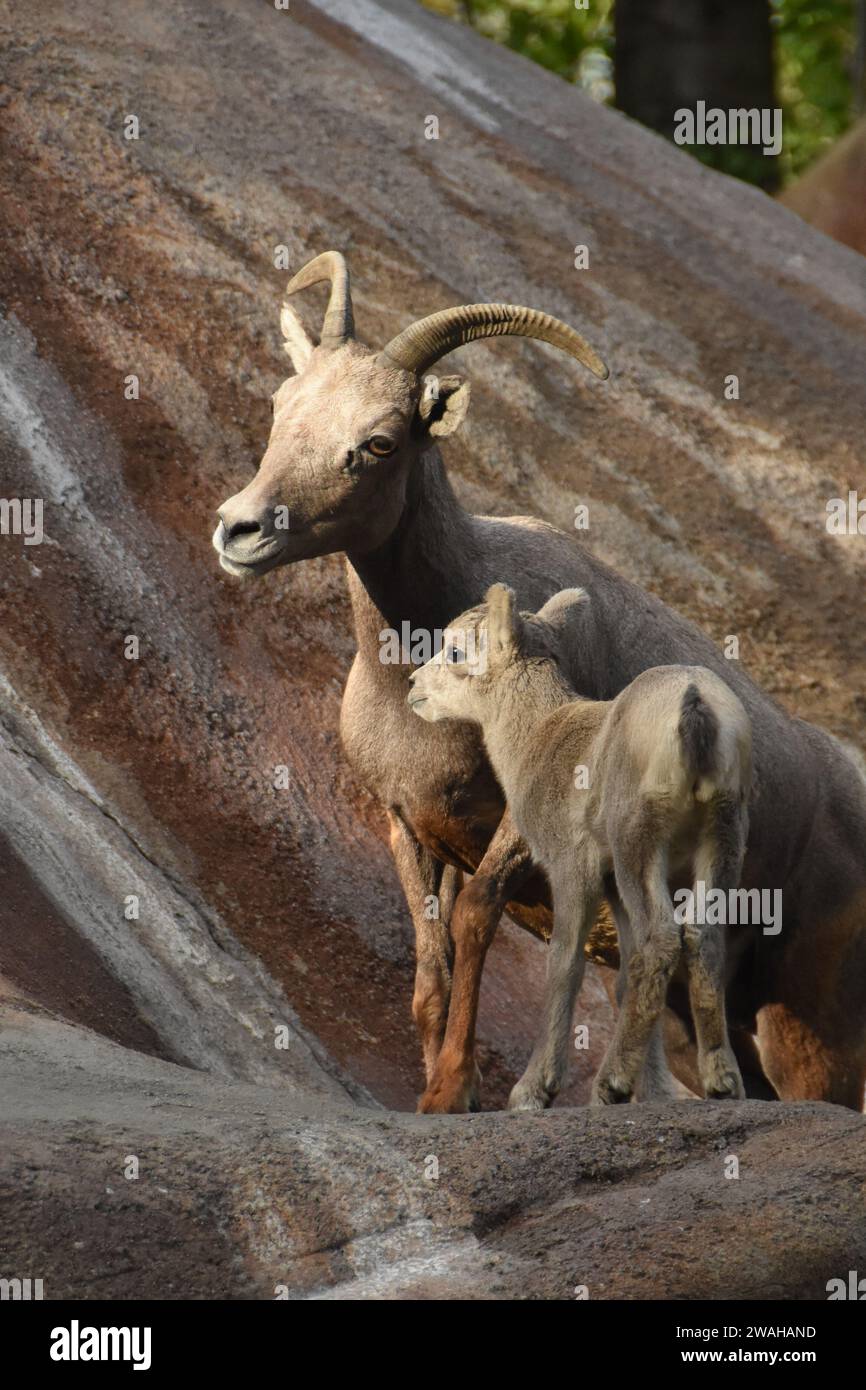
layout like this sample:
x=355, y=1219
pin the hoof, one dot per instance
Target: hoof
x=451, y=1095
x=722, y=1079
x=531, y=1099
x=726, y=1088
x=607, y=1092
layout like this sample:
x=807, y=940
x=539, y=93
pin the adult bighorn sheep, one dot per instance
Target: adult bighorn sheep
x=353, y=455
x=650, y=787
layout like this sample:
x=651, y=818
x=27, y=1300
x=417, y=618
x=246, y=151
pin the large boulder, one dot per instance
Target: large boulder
x=134, y=1178
x=170, y=912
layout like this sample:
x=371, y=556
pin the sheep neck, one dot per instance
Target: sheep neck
x=423, y=573
x=523, y=698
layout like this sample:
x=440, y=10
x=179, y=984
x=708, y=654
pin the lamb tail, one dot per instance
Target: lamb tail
x=699, y=731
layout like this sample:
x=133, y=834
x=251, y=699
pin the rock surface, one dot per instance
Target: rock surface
x=831, y=195
x=153, y=779
x=246, y=1192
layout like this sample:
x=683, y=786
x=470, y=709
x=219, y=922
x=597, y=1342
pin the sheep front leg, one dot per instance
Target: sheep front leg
x=577, y=893
x=453, y=1088
x=430, y=888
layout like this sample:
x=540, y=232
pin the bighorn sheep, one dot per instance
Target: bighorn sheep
x=353, y=460
x=648, y=791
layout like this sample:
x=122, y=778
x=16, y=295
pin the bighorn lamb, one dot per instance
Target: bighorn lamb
x=648, y=790
x=353, y=455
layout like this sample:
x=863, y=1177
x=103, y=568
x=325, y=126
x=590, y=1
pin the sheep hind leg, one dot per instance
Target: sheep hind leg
x=657, y=1081
x=719, y=863
x=641, y=878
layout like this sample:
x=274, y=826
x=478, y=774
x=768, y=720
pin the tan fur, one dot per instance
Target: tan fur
x=652, y=812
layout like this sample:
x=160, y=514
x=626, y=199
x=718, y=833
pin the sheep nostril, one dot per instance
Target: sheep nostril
x=241, y=528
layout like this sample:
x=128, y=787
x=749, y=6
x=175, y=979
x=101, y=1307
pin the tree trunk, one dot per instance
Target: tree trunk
x=859, y=75
x=671, y=54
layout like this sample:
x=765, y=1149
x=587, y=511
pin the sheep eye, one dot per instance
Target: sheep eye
x=380, y=446
x=455, y=656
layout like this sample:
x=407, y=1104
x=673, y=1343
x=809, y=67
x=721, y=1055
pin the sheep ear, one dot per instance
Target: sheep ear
x=560, y=609
x=443, y=404
x=296, y=340
x=504, y=623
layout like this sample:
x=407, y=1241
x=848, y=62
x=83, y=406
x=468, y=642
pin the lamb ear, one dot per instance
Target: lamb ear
x=504, y=623
x=296, y=340
x=560, y=610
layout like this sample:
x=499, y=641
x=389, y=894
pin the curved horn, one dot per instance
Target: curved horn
x=339, y=323
x=422, y=344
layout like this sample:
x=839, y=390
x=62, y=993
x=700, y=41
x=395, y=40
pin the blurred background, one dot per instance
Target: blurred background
x=649, y=57
x=262, y=905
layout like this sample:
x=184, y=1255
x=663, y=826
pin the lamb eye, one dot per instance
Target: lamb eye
x=380, y=446
x=455, y=656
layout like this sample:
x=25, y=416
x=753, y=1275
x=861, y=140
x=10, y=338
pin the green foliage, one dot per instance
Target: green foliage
x=575, y=43
x=814, y=53
x=814, y=45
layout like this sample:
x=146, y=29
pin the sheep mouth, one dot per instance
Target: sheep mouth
x=250, y=569
x=264, y=558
